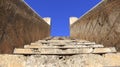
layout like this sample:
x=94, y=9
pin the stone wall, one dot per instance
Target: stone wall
x=101, y=25
x=19, y=25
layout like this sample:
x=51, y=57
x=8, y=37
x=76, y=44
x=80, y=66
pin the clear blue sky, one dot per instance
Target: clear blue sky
x=60, y=11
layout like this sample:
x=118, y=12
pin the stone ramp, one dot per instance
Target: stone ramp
x=63, y=47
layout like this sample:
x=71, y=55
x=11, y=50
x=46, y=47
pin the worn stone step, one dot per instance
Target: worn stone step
x=62, y=46
x=64, y=51
x=36, y=44
x=85, y=42
x=55, y=41
x=62, y=40
x=45, y=43
x=59, y=41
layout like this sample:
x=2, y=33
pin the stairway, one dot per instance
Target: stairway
x=63, y=47
x=62, y=52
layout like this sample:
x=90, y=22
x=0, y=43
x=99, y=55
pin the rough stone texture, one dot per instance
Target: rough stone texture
x=19, y=25
x=101, y=25
x=12, y=61
x=61, y=51
x=82, y=60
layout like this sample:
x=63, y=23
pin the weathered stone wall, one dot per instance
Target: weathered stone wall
x=101, y=25
x=19, y=25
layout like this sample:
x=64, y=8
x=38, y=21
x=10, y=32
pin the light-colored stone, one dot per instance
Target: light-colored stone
x=82, y=60
x=12, y=61
x=48, y=20
x=86, y=43
x=82, y=41
x=64, y=51
x=35, y=44
x=72, y=20
x=112, y=57
x=104, y=50
x=65, y=46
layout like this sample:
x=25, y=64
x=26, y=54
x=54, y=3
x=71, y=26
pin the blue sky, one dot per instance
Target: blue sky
x=60, y=11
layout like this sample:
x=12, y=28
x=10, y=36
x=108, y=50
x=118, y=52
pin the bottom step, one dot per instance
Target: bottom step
x=64, y=51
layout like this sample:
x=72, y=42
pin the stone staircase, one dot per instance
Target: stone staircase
x=62, y=52
x=63, y=47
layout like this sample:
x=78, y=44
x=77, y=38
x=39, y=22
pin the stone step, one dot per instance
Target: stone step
x=46, y=43
x=85, y=42
x=64, y=51
x=50, y=41
x=62, y=46
x=63, y=41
